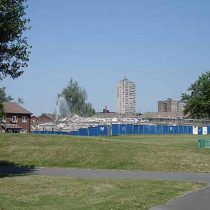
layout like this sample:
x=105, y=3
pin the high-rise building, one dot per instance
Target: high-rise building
x=170, y=105
x=126, y=96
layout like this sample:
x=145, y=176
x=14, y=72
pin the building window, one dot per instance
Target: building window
x=14, y=119
x=24, y=119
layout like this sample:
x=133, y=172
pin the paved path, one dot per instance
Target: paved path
x=101, y=173
x=199, y=200
x=90, y=173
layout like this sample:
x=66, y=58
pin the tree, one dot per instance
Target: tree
x=76, y=98
x=3, y=98
x=3, y=95
x=14, y=49
x=197, y=98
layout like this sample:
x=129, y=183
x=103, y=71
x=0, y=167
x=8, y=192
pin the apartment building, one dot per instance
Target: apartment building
x=126, y=96
x=170, y=105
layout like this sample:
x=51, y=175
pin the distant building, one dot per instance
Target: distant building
x=126, y=96
x=170, y=105
x=162, y=116
x=16, y=120
x=106, y=110
x=181, y=106
x=44, y=118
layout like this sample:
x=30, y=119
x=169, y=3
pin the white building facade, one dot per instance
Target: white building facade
x=126, y=96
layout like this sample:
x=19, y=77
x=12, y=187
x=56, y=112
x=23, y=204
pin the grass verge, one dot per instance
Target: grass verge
x=42, y=192
x=149, y=153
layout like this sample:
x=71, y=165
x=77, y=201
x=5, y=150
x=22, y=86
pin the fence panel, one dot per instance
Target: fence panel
x=170, y=129
x=92, y=131
x=136, y=129
x=129, y=129
x=175, y=130
x=102, y=130
x=83, y=132
x=187, y=130
x=165, y=129
x=200, y=131
x=123, y=129
x=190, y=129
x=74, y=133
x=152, y=129
x=146, y=129
x=159, y=129
x=181, y=129
x=141, y=129
x=115, y=129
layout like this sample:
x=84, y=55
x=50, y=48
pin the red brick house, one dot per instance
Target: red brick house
x=44, y=118
x=16, y=120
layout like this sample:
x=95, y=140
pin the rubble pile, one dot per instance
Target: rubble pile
x=76, y=122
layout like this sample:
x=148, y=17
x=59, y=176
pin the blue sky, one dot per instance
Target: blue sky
x=162, y=45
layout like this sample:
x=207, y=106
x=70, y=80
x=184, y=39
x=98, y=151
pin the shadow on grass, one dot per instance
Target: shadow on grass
x=11, y=169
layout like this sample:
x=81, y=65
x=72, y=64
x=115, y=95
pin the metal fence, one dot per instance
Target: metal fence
x=131, y=129
x=119, y=129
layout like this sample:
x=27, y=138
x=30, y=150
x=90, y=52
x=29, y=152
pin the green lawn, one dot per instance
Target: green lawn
x=149, y=153
x=44, y=193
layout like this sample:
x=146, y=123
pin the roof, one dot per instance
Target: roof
x=50, y=116
x=14, y=108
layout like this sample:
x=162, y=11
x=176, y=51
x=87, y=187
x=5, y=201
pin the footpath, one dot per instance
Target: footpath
x=199, y=200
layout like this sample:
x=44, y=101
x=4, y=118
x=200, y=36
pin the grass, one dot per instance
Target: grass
x=42, y=192
x=149, y=153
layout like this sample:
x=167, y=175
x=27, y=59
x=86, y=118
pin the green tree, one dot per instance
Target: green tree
x=1, y=111
x=197, y=98
x=14, y=49
x=3, y=95
x=3, y=98
x=76, y=98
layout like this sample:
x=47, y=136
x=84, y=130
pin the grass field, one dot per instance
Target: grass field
x=149, y=153
x=44, y=193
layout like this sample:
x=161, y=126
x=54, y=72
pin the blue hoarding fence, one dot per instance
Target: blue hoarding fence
x=102, y=130
x=51, y=132
x=128, y=129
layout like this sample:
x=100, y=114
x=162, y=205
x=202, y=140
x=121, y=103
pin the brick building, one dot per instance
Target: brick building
x=170, y=105
x=44, y=118
x=16, y=119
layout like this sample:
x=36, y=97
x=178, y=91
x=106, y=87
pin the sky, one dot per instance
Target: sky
x=162, y=45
